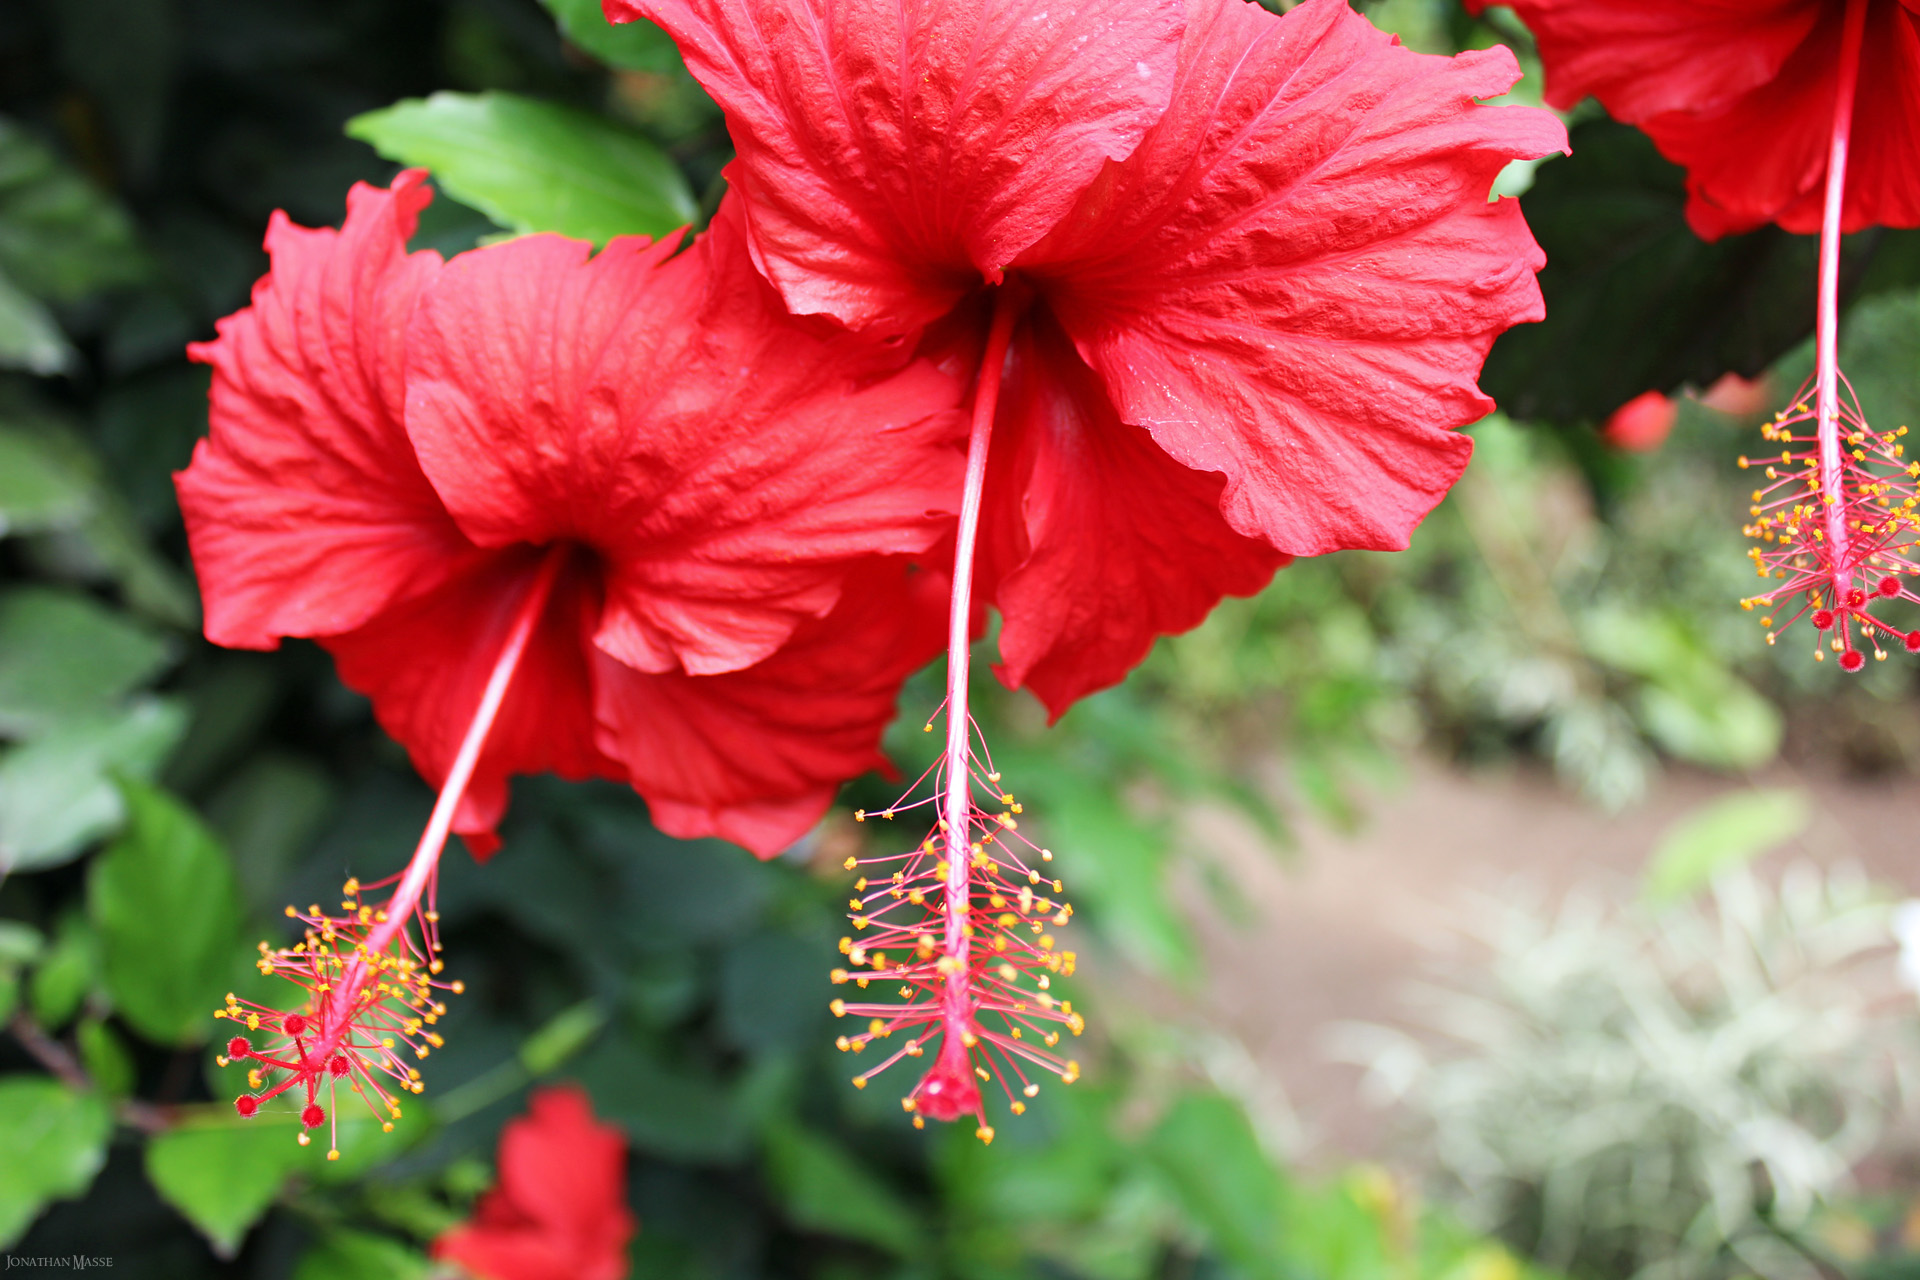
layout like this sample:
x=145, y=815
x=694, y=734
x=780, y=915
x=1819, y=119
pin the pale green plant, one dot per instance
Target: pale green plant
x=1664, y=1093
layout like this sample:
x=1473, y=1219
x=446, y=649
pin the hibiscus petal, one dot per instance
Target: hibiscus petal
x=1644, y=57
x=426, y=661
x=1095, y=540
x=895, y=153
x=1763, y=157
x=726, y=463
x=1295, y=279
x=755, y=756
x=305, y=509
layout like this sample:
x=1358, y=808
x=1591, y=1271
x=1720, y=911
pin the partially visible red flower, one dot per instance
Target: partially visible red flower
x=1741, y=93
x=399, y=444
x=559, y=1210
x=1253, y=262
x=1642, y=424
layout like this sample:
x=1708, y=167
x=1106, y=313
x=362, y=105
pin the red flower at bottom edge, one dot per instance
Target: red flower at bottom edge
x=559, y=1210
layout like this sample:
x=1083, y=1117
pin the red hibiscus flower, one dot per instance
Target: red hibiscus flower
x=615, y=516
x=1252, y=262
x=1741, y=93
x=1226, y=280
x=559, y=1211
x=399, y=445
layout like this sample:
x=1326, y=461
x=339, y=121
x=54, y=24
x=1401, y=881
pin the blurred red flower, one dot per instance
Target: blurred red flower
x=398, y=446
x=1741, y=92
x=559, y=1210
x=1642, y=424
x=1250, y=259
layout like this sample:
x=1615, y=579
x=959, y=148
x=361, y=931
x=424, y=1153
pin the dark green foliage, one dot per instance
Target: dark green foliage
x=1637, y=302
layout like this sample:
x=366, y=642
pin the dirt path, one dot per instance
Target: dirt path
x=1338, y=926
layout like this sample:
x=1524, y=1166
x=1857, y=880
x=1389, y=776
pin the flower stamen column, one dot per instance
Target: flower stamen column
x=1841, y=528
x=963, y=903
x=370, y=985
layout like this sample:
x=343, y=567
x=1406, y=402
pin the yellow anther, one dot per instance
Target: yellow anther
x=839, y=1008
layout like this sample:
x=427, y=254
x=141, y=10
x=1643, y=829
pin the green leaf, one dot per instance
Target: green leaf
x=66, y=973
x=104, y=1054
x=55, y=1140
x=773, y=996
x=167, y=906
x=679, y=1112
x=104, y=543
x=20, y=944
x=566, y=1034
x=535, y=166
x=359, y=1255
x=365, y=1144
x=630, y=46
x=1693, y=706
x=60, y=238
x=823, y=1188
x=222, y=1173
x=63, y=655
x=29, y=337
x=1207, y=1151
x=58, y=794
x=1723, y=725
x=1114, y=863
x=267, y=812
x=1720, y=836
x=38, y=489
x=1635, y=301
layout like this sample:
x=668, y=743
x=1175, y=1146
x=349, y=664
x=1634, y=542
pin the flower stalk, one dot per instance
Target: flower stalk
x=370, y=983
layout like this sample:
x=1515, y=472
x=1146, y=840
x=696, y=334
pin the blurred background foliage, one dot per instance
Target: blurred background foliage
x=161, y=799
